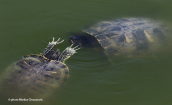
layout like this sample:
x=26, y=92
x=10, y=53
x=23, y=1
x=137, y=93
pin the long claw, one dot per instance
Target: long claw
x=69, y=51
x=58, y=39
x=71, y=45
x=50, y=46
x=76, y=46
x=53, y=39
x=61, y=41
x=55, y=42
x=73, y=50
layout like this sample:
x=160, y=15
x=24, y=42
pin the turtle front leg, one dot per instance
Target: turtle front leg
x=50, y=46
x=68, y=52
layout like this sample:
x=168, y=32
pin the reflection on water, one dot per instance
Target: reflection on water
x=27, y=27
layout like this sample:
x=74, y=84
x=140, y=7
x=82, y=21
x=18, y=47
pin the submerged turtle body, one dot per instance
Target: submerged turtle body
x=130, y=36
x=37, y=75
x=34, y=75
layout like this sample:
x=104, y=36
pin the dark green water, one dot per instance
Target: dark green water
x=26, y=27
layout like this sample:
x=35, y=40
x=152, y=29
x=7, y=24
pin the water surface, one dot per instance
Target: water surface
x=26, y=27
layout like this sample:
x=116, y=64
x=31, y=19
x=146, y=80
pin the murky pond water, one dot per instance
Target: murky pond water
x=26, y=27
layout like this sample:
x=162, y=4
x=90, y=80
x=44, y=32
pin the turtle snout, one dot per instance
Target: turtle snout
x=74, y=40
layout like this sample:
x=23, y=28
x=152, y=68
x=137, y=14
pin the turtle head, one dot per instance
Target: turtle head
x=79, y=40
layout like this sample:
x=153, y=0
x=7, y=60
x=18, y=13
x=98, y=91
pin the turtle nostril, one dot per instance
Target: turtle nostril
x=71, y=38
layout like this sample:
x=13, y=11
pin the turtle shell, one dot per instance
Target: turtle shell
x=130, y=36
x=34, y=75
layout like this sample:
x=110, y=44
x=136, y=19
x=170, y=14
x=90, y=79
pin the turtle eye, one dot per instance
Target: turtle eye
x=74, y=39
x=78, y=40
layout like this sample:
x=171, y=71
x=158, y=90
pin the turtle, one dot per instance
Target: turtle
x=128, y=37
x=35, y=75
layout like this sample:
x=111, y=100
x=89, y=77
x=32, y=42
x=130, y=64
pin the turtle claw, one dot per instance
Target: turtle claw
x=50, y=46
x=68, y=52
x=55, y=42
x=72, y=50
x=77, y=48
